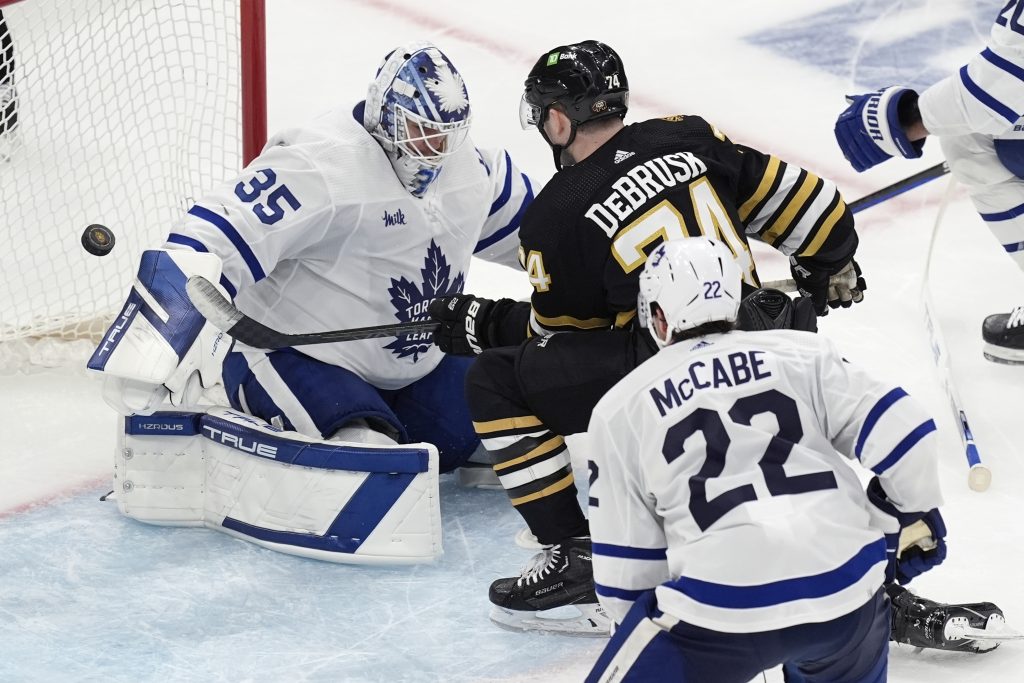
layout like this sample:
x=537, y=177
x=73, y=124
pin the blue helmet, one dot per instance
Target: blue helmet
x=418, y=109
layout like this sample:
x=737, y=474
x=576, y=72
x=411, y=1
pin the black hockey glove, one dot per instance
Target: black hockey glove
x=813, y=281
x=770, y=309
x=467, y=322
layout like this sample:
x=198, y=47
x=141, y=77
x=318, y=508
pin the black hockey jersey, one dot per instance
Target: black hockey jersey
x=587, y=234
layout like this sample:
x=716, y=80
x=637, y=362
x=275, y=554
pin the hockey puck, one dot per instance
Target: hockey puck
x=98, y=239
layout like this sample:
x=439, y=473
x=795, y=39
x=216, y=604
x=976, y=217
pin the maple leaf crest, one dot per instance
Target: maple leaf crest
x=450, y=91
x=411, y=300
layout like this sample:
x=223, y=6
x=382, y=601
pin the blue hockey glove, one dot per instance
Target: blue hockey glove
x=910, y=555
x=871, y=129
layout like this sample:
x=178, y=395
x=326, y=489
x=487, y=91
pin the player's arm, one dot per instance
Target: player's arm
x=628, y=540
x=160, y=349
x=888, y=432
x=512, y=192
x=984, y=96
x=804, y=217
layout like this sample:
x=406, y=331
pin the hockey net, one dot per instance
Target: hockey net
x=123, y=112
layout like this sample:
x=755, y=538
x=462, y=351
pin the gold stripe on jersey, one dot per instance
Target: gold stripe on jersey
x=787, y=182
x=557, y=486
x=506, y=424
x=624, y=318
x=821, y=231
x=782, y=220
x=771, y=174
x=569, y=321
x=544, y=448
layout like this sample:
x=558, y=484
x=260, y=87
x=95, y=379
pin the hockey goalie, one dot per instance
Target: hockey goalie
x=361, y=218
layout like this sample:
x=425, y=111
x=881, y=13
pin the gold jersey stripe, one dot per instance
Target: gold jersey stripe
x=506, y=423
x=825, y=230
x=554, y=488
x=767, y=180
x=624, y=318
x=793, y=206
x=563, y=320
x=543, y=449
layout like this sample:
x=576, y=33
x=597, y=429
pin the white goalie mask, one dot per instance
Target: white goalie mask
x=693, y=281
x=418, y=109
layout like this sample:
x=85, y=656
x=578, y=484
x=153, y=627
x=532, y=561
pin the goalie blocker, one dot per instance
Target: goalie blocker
x=340, y=502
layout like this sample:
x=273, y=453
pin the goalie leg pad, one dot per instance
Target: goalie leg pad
x=282, y=490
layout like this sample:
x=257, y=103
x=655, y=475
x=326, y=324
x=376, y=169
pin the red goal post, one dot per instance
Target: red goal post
x=120, y=112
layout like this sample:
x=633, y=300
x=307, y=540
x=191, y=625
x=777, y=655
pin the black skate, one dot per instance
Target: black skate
x=1004, y=337
x=974, y=627
x=555, y=593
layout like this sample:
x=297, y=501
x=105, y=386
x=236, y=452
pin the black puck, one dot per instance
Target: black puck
x=98, y=239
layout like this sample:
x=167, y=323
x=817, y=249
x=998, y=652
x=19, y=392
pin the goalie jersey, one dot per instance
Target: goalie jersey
x=718, y=477
x=318, y=234
x=586, y=237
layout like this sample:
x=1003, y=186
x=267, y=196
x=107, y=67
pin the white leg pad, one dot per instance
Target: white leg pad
x=353, y=503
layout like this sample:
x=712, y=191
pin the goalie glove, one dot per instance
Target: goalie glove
x=871, y=129
x=160, y=349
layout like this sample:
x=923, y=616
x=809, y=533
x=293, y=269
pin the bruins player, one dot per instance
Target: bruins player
x=619, y=192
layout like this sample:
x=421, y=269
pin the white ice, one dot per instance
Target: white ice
x=89, y=595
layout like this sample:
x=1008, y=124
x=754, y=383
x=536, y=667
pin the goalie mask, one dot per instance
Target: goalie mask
x=693, y=281
x=418, y=109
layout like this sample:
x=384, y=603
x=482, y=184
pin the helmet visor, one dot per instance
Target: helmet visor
x=529, y=114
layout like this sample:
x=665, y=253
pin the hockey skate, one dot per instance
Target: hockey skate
x=923, y=623
x=1004, y=337
x=554, y=593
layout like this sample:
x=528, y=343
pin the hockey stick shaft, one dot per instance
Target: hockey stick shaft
x=216, y=308
x=899, y=187
x=226, y=317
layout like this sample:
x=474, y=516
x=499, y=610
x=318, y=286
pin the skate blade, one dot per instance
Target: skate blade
x=999, y=354
x=587, y=620
x=995, y=630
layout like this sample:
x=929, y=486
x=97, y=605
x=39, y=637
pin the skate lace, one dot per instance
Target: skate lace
x=1016, y=318
x=540, y=565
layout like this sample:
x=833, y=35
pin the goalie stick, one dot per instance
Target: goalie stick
x=227, y=318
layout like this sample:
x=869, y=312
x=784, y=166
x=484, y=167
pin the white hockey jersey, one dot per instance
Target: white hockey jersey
x=978, y=108
x=718, y=476
x=317, y=233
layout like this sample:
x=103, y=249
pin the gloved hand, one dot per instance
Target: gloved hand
x=908, y=560
x=161, y=349
x=465, y=323
x=871, y=129
x=828, y=287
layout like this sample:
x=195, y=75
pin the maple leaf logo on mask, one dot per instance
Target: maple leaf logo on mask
x=411, y=301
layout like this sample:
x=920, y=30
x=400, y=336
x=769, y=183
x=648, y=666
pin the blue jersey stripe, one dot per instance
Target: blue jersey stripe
x=630, y=552
x=196, y=245
x=874, y=414
x=513, y=224
x=909, y=441
x=1016, y=246
x=1003, y=64
x=1004, y=215
x=620, y=593
x=506, y=190
x=986, y=99
x=229, y=231
x=787, y=590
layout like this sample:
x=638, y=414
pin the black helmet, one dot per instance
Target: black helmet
x=586, y=78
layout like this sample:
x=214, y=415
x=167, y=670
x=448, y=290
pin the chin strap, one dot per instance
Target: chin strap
x=558, y=151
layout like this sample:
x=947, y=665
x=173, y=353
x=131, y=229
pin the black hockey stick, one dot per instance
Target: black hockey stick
x=899, y=187
x=216, y=308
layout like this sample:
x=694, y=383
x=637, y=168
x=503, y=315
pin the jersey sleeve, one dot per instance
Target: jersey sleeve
x=884, y=429
x=629, y=543
x=986, y=95
x=792, y=209
x=512, y=193
x=276, y=208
